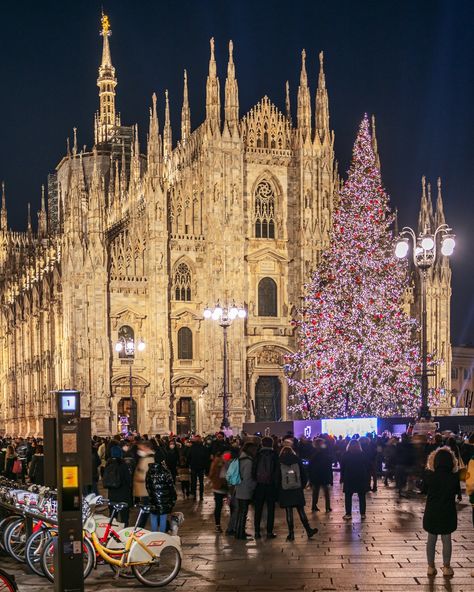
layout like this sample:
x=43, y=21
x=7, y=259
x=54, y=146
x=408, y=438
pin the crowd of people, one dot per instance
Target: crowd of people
x=268, y=472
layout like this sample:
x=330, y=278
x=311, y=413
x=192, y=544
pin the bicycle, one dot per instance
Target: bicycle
x=7, y=582
x=153, y=557
x=103, y=525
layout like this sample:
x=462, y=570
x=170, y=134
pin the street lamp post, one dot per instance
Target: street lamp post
x=225, y=315
x=127, y=345
x=424, y=251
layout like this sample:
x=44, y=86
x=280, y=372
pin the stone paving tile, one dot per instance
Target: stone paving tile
x=385, y=553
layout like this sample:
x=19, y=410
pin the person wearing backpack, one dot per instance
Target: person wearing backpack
x=245, y=488
x=291, y=494
x=117, y=480
x=266, y=475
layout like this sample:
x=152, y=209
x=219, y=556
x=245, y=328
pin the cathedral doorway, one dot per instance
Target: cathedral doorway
x=185, y=416
x=268, y=399
x=123, y=414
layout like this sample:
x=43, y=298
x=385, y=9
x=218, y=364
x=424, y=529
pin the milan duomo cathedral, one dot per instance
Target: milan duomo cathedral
x=133, y=243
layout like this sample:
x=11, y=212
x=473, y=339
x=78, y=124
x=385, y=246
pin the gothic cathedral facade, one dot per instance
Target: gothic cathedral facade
x=135, y=244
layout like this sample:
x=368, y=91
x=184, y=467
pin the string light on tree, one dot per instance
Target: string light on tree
x=357, y=352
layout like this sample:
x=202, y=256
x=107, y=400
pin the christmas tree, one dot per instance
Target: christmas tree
x=357, y=354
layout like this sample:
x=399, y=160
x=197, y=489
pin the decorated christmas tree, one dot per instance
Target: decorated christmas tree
x=357, y=353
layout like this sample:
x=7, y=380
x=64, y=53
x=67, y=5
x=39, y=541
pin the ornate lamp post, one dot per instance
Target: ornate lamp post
x=127, y=345
x=225, y=315
x=425, y=253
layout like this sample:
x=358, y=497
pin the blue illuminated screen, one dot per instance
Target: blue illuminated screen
x=349, y=426
x=68, y=402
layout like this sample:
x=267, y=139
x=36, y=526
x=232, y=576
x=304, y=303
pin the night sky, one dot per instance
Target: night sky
x=411, y=63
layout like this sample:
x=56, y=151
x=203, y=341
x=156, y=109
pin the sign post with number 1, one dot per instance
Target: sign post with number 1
x=68, y=561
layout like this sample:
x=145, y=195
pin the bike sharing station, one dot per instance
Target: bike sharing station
x=67, y=444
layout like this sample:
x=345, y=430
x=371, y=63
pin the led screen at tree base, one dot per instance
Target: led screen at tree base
x=349, y=426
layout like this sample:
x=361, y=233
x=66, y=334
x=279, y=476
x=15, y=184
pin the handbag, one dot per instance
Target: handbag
x=17, y=468
x=462, y=470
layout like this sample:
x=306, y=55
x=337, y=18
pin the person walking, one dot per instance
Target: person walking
x=146, y=456
x=292, y=481
x=36, y=469
x=320, y=473
x=183, y=471
x=117, y=479
x=440, y=516
x=266, y=476
x=162, y=494
x=198, y=459
x=220, y=489
x=355, y=476
x=245, y=489
x=12, y=465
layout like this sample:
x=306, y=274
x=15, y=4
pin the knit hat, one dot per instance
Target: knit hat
x=116, y=452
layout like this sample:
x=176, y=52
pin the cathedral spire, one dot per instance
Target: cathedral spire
x=426, y=208
x=375, y=147
x=231, y=94
x=42, y=217
x=304, y=102
x=213, y=101
x=287, y=101
x=322, y=104
x=154, y=145
x=167, y=139
x=106, y=83
x=439, y=216
x=3, y=211
x=185, y=112
x=28, y=221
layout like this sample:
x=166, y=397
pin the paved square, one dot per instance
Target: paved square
x=385, y=553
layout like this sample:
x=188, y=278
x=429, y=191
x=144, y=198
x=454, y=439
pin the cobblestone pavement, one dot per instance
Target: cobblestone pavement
x=384, y=553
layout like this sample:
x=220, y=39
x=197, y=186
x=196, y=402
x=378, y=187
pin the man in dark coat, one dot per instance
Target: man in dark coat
x=198, y=459
x=292, y=481
x=320, y=473
x=266, y=474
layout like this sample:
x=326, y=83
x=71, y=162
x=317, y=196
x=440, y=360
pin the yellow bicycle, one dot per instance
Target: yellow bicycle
x=153, y=557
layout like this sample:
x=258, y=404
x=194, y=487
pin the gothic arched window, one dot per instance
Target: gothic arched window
x=264, y=210
x=185, y=344
x=267, y=298
x=182, y=283
x=126, y=337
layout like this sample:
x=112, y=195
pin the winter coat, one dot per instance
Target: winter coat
x=217, y=475
x=262, y=454
x=160, y=487
x=198, y=457
x=244, y=490
x=124, y=492
x=139, y=488
x=36, y=470
x=292, y=498
x=320, y=468
x=172, y=458
x=355, y=472
x=442, y=486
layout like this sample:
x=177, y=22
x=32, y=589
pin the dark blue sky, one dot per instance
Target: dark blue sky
x=409, y=62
